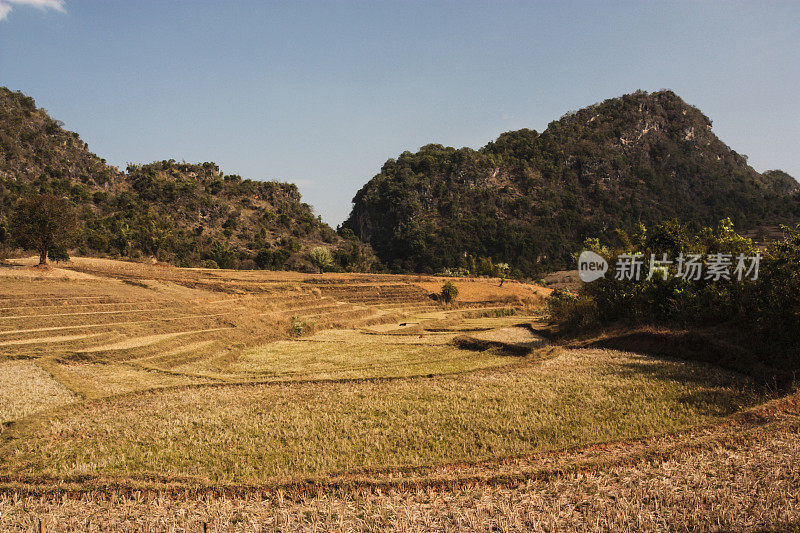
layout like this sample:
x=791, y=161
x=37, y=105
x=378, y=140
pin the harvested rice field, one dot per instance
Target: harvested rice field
x=194, y=399
x=258, y=433
x=26, y=389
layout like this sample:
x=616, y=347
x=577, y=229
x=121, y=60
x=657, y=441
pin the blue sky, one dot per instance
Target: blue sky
x=322, y=93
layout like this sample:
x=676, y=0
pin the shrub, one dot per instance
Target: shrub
x=502, y=271
x=297, y=327
x=271, y=259
x=485, y=267
x=572, y=311
x=222, y=255
x=290, y=243
x=449, y=292
x=455, y=272
x=321, y=258
x=58, y=254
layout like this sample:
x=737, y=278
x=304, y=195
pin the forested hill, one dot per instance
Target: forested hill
x=530, y=199
x=189, y=214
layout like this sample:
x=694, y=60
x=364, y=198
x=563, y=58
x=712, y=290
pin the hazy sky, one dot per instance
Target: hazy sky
x=322, y=93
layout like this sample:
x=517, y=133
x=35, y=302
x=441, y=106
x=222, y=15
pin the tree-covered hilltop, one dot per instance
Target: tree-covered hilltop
x=530, y=199
x=195, y=214
x=188, y=214
x=35, y=150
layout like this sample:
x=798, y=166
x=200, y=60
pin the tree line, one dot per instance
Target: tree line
x=758, y=313
x=49, y=225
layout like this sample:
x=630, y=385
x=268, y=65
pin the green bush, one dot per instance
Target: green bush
x=763, y=313
x=674, y=299
x=58, y=254
x=297, y=326
x=455, y=272
x=449, y=292
x=222, y=255
x=572, y=311
x=321, y=257
x=272, y=259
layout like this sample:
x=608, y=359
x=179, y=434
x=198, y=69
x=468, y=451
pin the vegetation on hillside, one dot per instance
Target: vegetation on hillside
x=187, y=214
x=763, y=312
x=529, y=199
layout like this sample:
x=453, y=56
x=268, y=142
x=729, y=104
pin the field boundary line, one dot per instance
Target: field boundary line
x=144, y=341
x=84, y=313
x=48, y=340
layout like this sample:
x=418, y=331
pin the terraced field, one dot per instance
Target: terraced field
x=138, y=377
x=104, y=327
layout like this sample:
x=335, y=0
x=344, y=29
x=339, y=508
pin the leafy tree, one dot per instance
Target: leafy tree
x=321, y=258
x=763, y=314
x=43, y=223
x=346, y=233
x=272, y=259
x=122, y=237
x=3, y=232
x=486, y=267
x=155, y=234
x=357, y=257
x=449, y=292
x=290, y=243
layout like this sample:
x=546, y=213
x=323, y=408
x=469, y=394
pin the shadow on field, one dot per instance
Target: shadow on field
x=711, y=390
x=710, y=347
x=671, y=369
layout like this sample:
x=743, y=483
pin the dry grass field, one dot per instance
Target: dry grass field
x=258, y=433
x=741, y=478
x=28, y=388
x=147, y=397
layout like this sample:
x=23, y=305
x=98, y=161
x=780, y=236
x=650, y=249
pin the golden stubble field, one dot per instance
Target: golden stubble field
x=146, y=395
